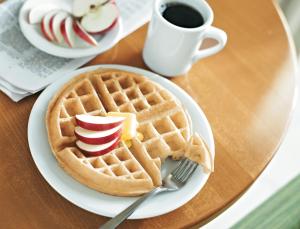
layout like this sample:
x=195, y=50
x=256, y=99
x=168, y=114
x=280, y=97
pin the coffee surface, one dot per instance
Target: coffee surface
x=182, y=15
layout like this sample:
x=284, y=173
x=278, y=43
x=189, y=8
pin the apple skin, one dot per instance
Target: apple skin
x=55, y=25
x=45, y=25
x=51, y=28
x=107, y=29
x=97, y=16
x=45, y=33
x=101, y=140
x=97, y=127
x=101, y=152
x=64, y=33
x=81, y=33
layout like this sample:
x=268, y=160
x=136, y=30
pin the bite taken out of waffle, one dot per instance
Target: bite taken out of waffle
x=128, y=170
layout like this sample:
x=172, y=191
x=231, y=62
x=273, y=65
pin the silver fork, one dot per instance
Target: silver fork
x=172, y=182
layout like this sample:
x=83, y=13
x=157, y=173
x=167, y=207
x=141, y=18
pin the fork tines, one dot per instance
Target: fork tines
x=184, y=170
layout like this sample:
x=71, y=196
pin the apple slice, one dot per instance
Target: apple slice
x=55, y=23
x=100, y=19
x=66, y=29
x=97, y=137
x=97, y=150
x=82, y=7
x=45, y=25
x=81, y=33
x=37, y=13
x=95, y=123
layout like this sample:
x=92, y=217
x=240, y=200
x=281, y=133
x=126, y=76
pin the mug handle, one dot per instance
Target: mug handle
x=216, y=34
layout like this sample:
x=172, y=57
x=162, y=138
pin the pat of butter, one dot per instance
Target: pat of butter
x=129, y=124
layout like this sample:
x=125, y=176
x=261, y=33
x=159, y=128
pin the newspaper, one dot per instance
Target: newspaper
x=24, y=70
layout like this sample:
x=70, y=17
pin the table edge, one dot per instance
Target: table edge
x=294, y=61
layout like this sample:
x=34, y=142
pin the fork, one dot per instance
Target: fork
x=172, y=182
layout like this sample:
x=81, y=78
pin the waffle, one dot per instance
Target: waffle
x=197, y=150
x=124, y=171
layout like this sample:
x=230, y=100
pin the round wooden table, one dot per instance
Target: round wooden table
x=246, y=91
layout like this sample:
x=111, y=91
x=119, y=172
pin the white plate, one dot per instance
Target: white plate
x=36, y=38
x=94, y=201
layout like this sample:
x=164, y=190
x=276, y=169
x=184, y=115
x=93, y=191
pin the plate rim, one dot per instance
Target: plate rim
x=61, y=51
x=57, y=84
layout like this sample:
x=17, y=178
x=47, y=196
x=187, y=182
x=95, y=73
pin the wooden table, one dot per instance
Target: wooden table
x=247, y=92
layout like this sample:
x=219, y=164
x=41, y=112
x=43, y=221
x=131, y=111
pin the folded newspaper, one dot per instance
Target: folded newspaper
x=21, y=62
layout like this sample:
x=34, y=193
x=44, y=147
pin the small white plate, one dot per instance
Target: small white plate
x=97, y=202
x=34, y=35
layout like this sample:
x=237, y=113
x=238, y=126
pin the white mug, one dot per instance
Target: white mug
x=171, y=50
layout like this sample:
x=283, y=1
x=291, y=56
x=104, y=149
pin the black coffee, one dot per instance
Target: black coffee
x=182, y=15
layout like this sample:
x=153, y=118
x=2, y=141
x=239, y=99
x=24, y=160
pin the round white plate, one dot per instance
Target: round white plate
x=35, y=37
x=97, y=202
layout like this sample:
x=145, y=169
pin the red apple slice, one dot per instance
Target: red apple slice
x=95, y=123
x=45, y=25
x=51, y=27
x=66, y=29
x=97, y=150
x=81, y=33
x=55, y=23
x=100, y=19
x=81, y=7
x=37, y=13
x=97, y=137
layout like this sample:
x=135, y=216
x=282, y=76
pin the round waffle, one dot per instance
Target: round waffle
x=124, y=171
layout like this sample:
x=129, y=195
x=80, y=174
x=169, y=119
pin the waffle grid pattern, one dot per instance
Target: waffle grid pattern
x=81, y=100
x=120, y=163
x=130, y=94
x=163, y=135
x=162, y=123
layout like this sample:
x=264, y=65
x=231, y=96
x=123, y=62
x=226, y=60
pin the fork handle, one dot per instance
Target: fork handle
x=118, y=219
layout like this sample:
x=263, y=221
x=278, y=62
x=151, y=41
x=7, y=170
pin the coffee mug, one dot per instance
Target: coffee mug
x=171, y=50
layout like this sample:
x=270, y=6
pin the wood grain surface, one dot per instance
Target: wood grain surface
x=246, y=91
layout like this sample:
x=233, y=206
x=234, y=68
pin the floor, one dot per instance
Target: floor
x=284, y=166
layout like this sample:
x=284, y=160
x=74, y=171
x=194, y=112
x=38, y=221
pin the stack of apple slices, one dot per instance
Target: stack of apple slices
x=76, y=29
x=98, y=135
